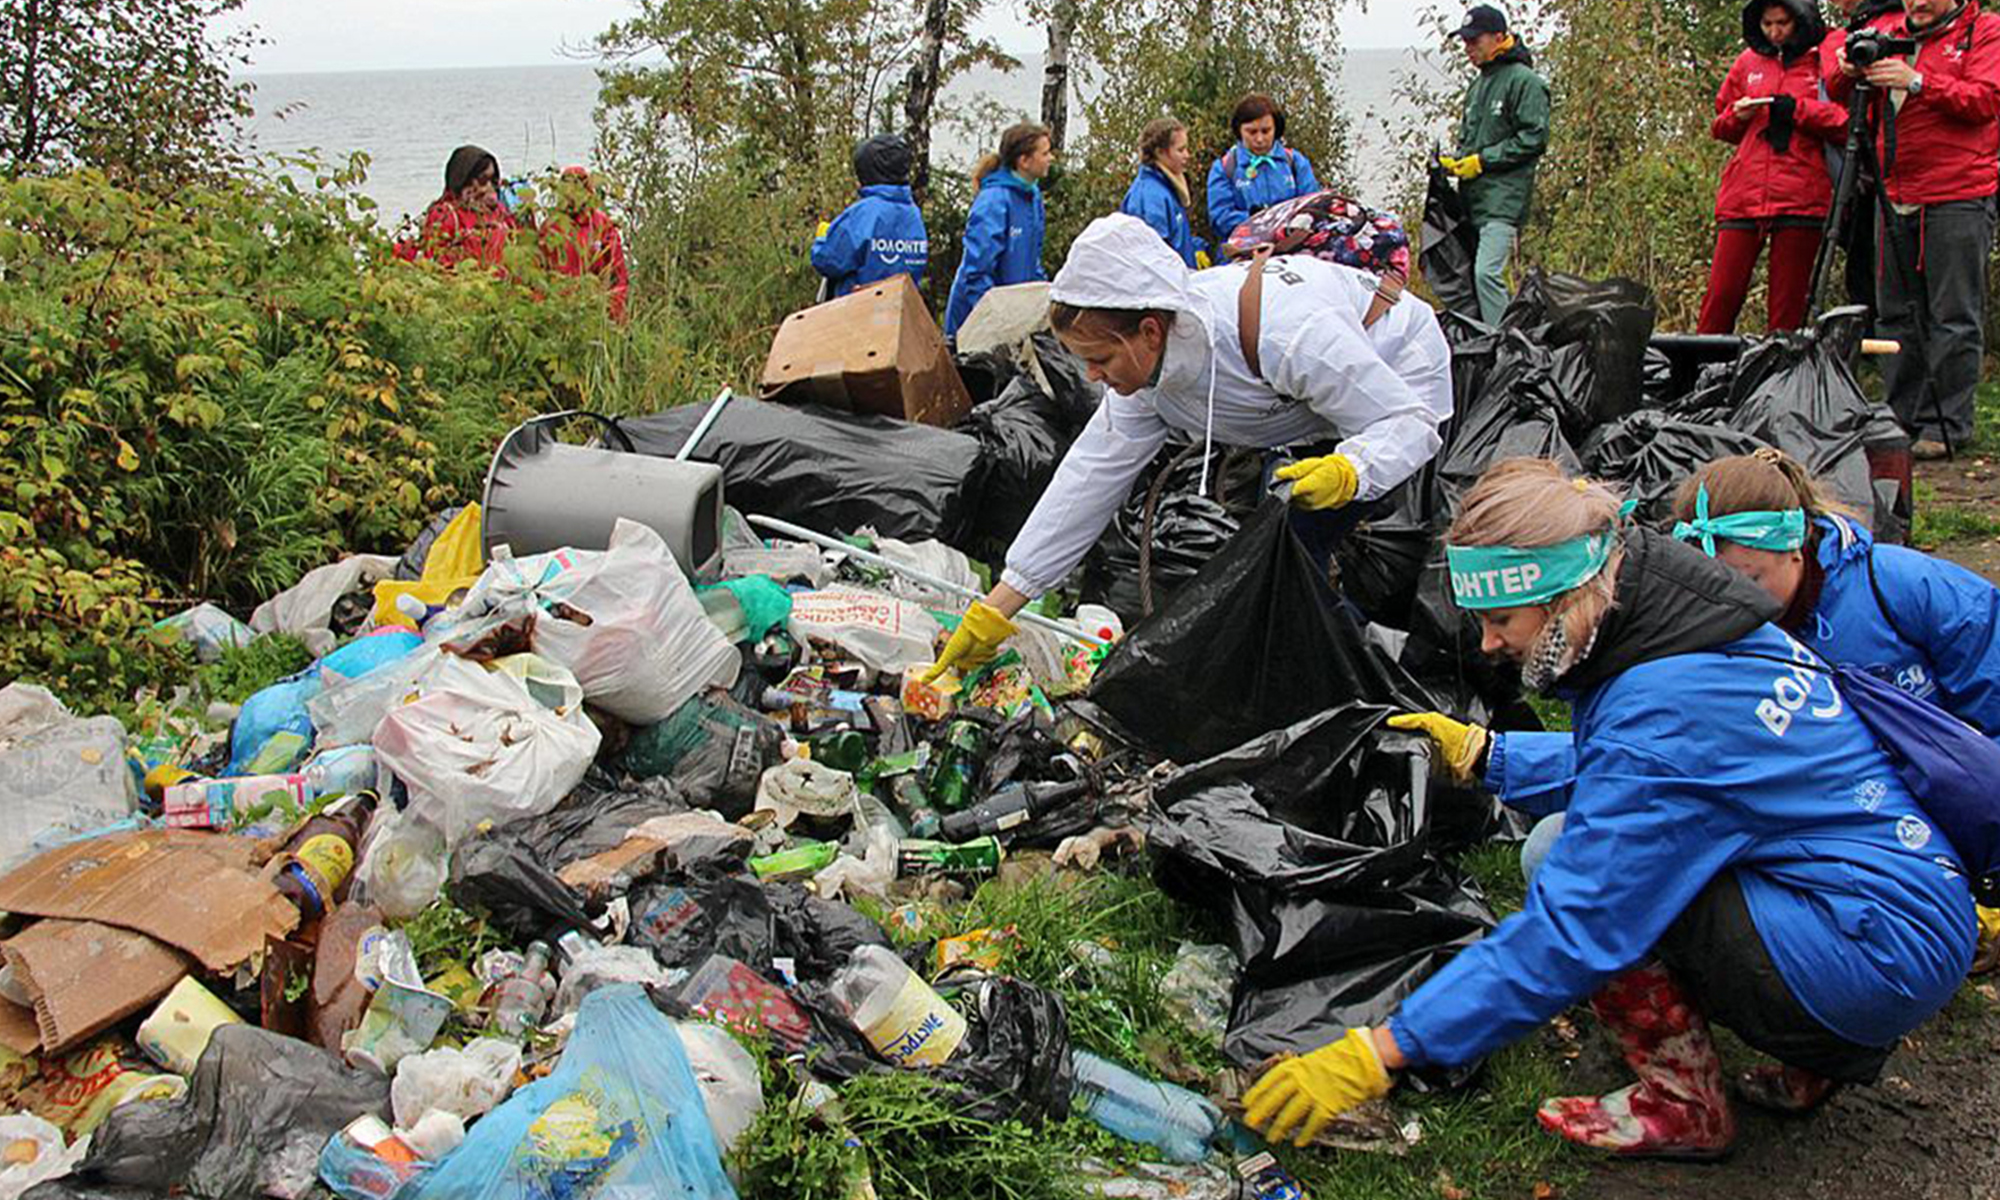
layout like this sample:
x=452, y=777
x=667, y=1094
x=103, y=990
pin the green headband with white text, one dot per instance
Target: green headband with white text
x=1507, y=576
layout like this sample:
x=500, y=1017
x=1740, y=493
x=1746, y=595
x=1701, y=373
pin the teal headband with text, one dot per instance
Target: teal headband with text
x=1506, y=576
x=1781, y=530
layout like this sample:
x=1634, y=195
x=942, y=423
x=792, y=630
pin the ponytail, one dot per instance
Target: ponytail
x=1016, y=143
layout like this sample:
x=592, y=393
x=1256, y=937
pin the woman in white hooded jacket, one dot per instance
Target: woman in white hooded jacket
x=1169, y=343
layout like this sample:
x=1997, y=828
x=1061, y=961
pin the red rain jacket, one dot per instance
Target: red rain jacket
x=1761, y=181
x=453, y=233
x=593, y=244
x=1948, y=134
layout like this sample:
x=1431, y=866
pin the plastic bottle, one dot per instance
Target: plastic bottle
x=1171, y=1119
x=342, y=770
x=1011, y=806
x=520, y=1001
x=897, y=1012
x=323, y=853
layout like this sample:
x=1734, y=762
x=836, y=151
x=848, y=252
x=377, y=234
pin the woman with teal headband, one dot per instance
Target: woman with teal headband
x=1739, y=848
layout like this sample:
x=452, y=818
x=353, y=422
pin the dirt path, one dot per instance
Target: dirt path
x=1971, y=483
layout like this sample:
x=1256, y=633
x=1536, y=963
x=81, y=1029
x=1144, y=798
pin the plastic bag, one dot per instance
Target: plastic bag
x=33, y=1153
x=1189, y=529
x=622, y=1115
x=685, y=916
x=1014, y=1064
x=209, y=630
x=1597, y=331
x=519, y=891
x=1254, y=643
x=1450, y=244
x=643, y=644
x=730, y=1087
x=1514, y=413
x=317, y=610
x=712, y=750
x=831, y=470
x=476, y=746
x=1197, y=986
x=1652, y=453
x=403, y=866
x=1794, y=391
x=255, y=1097
x=601, y=966
x=446, y=558
x=467, y=1083
x=886, y=633
x=1381, y=561
x=933, y=558
x=1023, y=435
x=59, y=776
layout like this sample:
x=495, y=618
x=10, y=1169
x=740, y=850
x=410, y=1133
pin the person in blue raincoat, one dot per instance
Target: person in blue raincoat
x=1258, y=171
x=1003, y=232
x=882, y=233
x=1159, y=192
x=1739, y=848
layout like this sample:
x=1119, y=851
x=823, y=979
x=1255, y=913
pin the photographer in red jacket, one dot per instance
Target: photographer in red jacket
x=1776, y=188
x=1937, y=121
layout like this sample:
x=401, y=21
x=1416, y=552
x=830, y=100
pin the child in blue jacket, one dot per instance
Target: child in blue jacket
x=1159, y=193
x=1003, y=232
x=1739, y=848
x=880, y=234
x=1258, y=171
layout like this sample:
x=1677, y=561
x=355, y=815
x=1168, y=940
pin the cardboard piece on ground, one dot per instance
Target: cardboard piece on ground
x=639, y=855
x=85, y=977
x=18, y=1030
x=197, y=892
x=875, y=350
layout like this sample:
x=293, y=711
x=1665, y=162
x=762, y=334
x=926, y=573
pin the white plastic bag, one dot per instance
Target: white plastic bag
x=475, y=746
x=801, y=785
x=932, y=558
x=32, y=1152
x=403, y=867
x=60, y=778
x=305, y=610
x=886, y=633
x=601, y=966
x=648, y=646
x=208, y=630
x=728, y=1078
x=346, y=713
x=467, y=1083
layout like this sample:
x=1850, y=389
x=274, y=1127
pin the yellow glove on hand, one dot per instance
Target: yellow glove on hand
x=1986, y=954
x=1460, y=744
x=1468, y=167
x=976, y=640
x=1305, y=1094
x=1325, y=482
x=1202, y=261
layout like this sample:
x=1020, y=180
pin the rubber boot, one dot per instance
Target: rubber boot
x=1678, y=1108
x=1792, y=1090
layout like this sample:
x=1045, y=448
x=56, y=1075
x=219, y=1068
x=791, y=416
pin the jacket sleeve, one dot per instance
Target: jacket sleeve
x=838, y=254
x=1956, y=616
x=1974, y=94
x=1095, y=477
x=1302, y=174
x=1529, y=105
x=1150, y=206
x=1532, y=772
x=1641, y=842
x=1224, y=211
x=1728, y=126
x=1388, y=424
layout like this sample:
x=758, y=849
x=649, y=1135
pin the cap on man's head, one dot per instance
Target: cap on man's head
x=1483, y=18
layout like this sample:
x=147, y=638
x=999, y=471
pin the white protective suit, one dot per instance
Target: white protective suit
x=1382, y=391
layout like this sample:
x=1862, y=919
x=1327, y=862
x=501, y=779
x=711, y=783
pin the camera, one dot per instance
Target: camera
x=1871, y=46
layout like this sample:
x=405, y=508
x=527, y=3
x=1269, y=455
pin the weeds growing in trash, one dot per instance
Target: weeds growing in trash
x=243, y=671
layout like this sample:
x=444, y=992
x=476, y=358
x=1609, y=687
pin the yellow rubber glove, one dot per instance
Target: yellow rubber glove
x=1202, y=261
x=1986, y=955
x=1468, y=167
x=1303, y=1095
x=1460, y=744
x=821, y=231
x=1328, y=481
x=976, y=640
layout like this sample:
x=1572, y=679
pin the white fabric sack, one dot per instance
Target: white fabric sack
x=886, y=633
x=476, y=746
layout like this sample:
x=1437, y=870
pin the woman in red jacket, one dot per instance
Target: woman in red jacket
x=582, y=238
x=468, y=220
x=1776, y=185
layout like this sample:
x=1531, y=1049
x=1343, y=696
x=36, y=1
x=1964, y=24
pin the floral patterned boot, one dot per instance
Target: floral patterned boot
x=1678, y=1108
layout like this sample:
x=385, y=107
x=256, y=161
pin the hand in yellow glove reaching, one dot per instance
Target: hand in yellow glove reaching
x=1460, y=744
x=976, y=640
x=1325, y=482
x=1302, y=1096
x=1468, y=167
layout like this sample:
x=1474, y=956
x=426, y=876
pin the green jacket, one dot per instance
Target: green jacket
x=1507, y=125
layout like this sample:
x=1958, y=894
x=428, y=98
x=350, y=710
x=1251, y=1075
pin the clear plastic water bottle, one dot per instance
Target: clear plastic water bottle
x=1171, y=1119
x=520, y=1001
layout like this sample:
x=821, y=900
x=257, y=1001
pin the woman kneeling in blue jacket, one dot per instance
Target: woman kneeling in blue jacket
x=1738, y=846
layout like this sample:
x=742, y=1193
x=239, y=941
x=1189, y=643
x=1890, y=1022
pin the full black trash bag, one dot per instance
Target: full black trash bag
x=712, y=750
x=1023, y=434
x=817, y=935
x=1794, y=391
x=1516, y=414
x=593, y=818
x=520, y=892
x=1450, y=244
x=685, y=916
x=1651, y=453
x=831, y=470
x=1382, y=560
x=411, y=565
x=257, y=1099
x=1015, y=1062
x=1189, y=529
x=1255, y=642
x=1598, y=330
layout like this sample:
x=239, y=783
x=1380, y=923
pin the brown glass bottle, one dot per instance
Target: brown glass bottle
x=321, y=855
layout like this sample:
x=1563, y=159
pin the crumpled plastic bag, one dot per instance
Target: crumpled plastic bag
x=477, y=745
x=622, y=1115
x=208, y=630
x=730, y=1086
x=646, y=646
x=803, y=787
x=886, y=633
x=601, y=966
x=59, y=776
x=32, y=1152
x=467, y=1083
x=309, y=610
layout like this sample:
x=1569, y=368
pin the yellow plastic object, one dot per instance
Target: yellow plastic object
x=455, y=561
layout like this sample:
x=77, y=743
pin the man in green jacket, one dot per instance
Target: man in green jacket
x=1505, y=130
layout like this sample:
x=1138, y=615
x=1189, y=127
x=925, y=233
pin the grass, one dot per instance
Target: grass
x=1944, y=524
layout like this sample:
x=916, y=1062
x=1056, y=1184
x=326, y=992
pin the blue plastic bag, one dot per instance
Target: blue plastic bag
x=621, y=1115
x=281, y=708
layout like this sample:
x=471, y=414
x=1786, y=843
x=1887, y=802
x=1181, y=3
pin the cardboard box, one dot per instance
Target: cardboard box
x=875, y=350
x=85, y=977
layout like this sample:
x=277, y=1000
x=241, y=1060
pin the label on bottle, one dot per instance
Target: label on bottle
x=919, y=1029
x=1008, y=820
x=330, y=859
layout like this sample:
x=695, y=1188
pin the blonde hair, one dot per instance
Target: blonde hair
x=1765, y=481
x=1157, y=136
x=1529, y=502
x=1016, y=143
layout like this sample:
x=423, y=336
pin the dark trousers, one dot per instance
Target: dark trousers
x=1931, y=297
x=1793, y=246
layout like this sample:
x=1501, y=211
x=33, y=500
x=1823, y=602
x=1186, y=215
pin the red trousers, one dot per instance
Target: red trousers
x=1736, y=250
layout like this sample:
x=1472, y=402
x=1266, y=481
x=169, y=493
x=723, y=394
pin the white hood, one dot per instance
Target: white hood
x=1119, y=262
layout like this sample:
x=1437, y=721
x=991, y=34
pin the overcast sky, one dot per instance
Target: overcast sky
x=362, y=35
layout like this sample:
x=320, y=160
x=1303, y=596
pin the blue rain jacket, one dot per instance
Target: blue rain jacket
x=1003, y=244
x=1860, y=904
x=875, y=237
x=1238, y=185
x=1152, y=199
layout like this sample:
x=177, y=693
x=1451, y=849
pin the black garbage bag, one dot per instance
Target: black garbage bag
x=1382, y=560
x=1651, y=453
x=684, y=916
x=830, y=470
x=1015, y=1062
x=712, y=750
x=1516, y=414
x=1189, y=529
x=520, y=892
x=1023, y=434
x=1794, y=391
x=1598, y=331
x=1450, y=244
x=257, y=1111
x=411, y=565
x=593, y=818
x=1255, y=642
x=817, y=935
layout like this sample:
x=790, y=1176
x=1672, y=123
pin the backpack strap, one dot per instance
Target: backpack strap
x=1882, y=603
x=1250, y=307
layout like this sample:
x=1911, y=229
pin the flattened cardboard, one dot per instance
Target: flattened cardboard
x=85, y=977
x=875, y=350
x=18, y=1030
x=197, y=892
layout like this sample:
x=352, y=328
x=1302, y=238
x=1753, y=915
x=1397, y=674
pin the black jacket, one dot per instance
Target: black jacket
x=1671, y=599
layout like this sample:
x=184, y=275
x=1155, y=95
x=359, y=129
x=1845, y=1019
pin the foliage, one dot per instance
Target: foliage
x=135, y=88
x=243, y=671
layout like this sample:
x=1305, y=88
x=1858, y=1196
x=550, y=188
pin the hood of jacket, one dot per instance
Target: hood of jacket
x=464, y=166
x=1001, y=177
x=1671, y=599
x=1516, y=53
x=1119, y=262
x=1808, y=30
x=882, y=159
